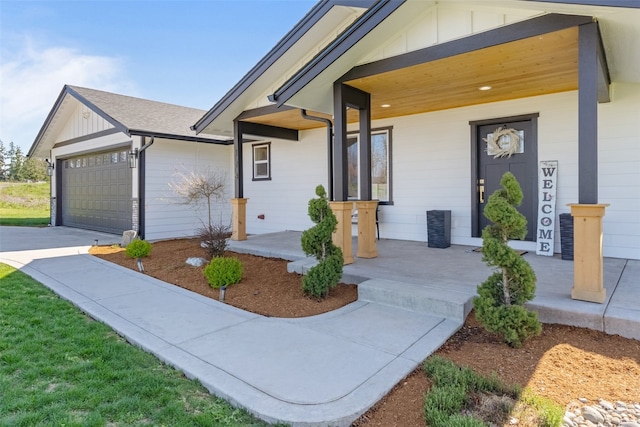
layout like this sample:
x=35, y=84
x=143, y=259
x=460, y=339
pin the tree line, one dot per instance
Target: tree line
x=16, y=166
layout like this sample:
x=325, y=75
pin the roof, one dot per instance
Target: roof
x=129, y=115
x=310, y=22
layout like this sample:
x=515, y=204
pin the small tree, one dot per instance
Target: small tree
x=196, y=188
x=317, y=241
x=500, y=304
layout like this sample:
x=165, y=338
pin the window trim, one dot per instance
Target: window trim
x=256, y=162
x=389, y=131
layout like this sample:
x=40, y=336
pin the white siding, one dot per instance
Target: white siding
x=83, y=122
x=165, y=216
x=296, y=169
x=431, y=169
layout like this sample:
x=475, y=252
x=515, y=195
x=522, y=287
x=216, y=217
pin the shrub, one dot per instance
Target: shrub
x=223, y=271
x=215, y=238
x=138, y=249
x=317, y=241
x=499, y=305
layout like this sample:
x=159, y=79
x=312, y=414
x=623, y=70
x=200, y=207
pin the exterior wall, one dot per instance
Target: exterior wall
x=431, y=158
x=165, y=216
x=297, y=167
x=83, y=122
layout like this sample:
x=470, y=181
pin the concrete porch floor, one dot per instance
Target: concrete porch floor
x=454, y=273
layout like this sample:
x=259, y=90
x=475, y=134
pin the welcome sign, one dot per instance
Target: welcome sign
x=547, y=183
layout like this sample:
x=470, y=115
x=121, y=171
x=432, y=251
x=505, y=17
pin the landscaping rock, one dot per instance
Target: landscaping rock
x=196, y=262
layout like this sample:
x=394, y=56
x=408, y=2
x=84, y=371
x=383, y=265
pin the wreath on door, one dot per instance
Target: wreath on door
x=509, y=145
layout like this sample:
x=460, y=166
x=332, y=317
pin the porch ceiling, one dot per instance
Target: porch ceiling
x=528, y=67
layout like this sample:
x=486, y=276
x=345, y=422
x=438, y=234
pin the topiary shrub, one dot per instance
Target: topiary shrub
x=500, y=304
x=317, y=242
x=223, y=271
x=138, y=249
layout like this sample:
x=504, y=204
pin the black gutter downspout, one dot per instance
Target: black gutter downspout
x=329, y=125
x=142, y=185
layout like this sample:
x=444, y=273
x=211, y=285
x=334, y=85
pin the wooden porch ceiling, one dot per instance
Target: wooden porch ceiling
x=534, y=66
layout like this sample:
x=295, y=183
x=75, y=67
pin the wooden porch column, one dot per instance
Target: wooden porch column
x=342, y=235
x=239, y=219
x=367, y=229
x=588, y=281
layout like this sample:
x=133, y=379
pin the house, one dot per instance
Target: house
x=393, y=101
x=112, y=158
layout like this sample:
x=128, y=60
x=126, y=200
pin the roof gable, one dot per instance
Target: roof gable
x=126, y=114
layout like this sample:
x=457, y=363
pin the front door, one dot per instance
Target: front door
x=521, y=161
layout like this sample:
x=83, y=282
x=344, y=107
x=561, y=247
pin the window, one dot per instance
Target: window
x=261, y=161
x=380, y=165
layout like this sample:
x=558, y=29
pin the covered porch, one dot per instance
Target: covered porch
x=412, y=276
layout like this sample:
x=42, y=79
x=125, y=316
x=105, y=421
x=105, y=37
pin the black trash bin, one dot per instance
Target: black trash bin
x=566, y=236
x=438, y=229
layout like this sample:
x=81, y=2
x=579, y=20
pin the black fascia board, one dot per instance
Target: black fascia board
x=345, y=41
x=517, y=31
x=630, y=4
x=300, y=29
x=67, y=90
x=259, y=129
x=180, y=137
x=261, y=111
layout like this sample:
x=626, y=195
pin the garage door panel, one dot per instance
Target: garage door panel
x=96, y=192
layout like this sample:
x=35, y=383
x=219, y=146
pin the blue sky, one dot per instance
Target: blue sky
x=182, y=52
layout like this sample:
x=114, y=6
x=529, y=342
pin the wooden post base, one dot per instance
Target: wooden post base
x=239, y=219
x=367, y=247
x=588, y=278
x=342, y=235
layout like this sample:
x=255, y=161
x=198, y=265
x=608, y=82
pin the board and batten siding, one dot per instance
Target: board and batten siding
x=165, y=216
x=83, y=122
x=431, y=169
x=297, y=167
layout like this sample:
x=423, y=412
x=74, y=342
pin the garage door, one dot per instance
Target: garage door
x=96, y=192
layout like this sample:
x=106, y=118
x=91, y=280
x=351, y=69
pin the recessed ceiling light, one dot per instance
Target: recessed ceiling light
x=485, y=88
x=386, y=105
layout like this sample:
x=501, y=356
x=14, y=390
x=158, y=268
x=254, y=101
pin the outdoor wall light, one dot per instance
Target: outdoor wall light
x=133, y=156
x=50, y=167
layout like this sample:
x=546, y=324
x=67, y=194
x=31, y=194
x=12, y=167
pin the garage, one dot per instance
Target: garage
x=96, y=192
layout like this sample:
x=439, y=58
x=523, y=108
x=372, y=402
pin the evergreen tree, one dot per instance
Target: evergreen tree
x=17, y=163
x=317, y=241
x=3, y=161
x=500, y=304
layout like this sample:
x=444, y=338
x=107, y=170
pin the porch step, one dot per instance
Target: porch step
x=439, y=302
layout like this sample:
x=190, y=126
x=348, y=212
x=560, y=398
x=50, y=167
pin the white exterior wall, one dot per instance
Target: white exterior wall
x=165, y=216
x=297, y=167
x=83, y=121
x=431, y=158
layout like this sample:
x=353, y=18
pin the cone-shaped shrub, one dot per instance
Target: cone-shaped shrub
x=317, y=242
x=500, y=304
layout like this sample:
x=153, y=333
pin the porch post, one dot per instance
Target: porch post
x=340, y=184
x=367, y=229
x=342, y=235
x=239, y=203
x=588, y=281
x=239, y=219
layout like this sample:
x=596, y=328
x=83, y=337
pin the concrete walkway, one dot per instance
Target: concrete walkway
x=321, y=370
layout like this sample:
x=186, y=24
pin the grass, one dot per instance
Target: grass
x=60, y=367
x=460, y=397
x=24, y=204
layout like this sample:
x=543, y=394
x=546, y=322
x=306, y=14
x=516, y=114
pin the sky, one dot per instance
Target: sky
x=188, y=53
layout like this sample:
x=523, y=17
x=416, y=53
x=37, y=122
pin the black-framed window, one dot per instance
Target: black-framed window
x=380, y=165
x=261, y=161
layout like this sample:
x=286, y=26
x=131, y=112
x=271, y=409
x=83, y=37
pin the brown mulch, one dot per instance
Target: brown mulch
x=563, y=364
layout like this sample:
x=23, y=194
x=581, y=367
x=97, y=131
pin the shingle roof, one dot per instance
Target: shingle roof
x=142, y=115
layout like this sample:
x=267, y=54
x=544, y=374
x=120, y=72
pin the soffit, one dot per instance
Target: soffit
x=528, y=67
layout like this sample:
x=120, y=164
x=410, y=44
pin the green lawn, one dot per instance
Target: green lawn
x=59, y=367
x=24, y=204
